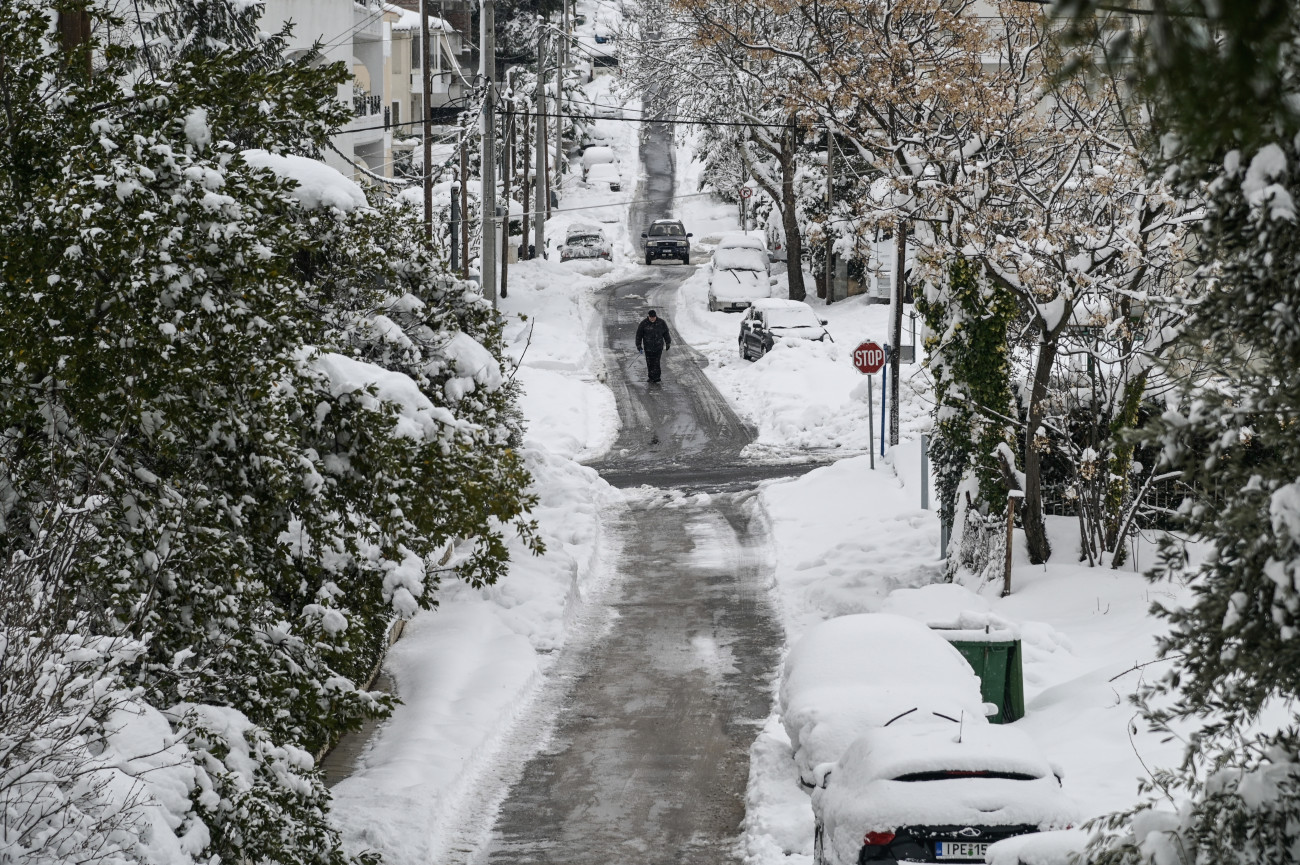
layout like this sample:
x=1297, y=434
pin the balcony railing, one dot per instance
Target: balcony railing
x=364, y=105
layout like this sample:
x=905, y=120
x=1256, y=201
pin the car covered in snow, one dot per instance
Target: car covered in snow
x=583, y=241
x=770, y=321
x=934, y=792
x=856, y=673
x=598, y=155
x=667, y=238
x=605, y=176
x=739, y=274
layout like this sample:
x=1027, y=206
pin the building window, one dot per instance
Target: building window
x=416, y=53
x=397, y=113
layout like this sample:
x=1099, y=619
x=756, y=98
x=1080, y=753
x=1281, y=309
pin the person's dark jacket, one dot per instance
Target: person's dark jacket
x=653, y=335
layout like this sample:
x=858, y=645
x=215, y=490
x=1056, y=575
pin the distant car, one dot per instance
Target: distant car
x=768, y=321
x=597, y=156
x=606, y=108
x=739, y=275
x=856, y=673
x=667, y=238
x=605, y=173
x=934, y=792
x=584, y=241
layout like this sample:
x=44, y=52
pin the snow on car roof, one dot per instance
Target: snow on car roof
x=584, y=228
x=852, y=673
x=781, y=303
x=974, y=745
x=736, y=240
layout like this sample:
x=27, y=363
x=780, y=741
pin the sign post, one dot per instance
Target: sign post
x=869, y=359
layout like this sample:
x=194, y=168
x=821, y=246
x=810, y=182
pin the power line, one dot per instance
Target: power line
x=667, y=120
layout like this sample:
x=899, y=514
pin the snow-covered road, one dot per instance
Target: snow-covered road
x=649, y=757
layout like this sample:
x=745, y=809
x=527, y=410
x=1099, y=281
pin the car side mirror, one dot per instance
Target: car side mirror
x=773, y=281
x=643, y=234
x=823, y=322
x=822, y=774
x=688, y=234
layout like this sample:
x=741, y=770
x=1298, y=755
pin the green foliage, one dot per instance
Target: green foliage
x=968, y=356
x=1233, y=434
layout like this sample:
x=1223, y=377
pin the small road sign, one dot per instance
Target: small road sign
x=868, y=357
x=746, y=191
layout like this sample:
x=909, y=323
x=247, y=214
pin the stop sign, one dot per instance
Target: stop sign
x=868, y=358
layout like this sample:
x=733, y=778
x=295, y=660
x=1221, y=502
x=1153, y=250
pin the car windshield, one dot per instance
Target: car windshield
x=949, y=774
x=584, y=240
x=667, y=231
x=739, y=259
x=792, y=318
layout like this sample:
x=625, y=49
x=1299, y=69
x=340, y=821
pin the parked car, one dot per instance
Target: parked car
x=606, y=108
x=667, y=238
x=934, y=792
x=768, y=321
x=855, y=673
x=739, y=275
x=585, y=241
x=597, y=156
x=746, y=239
x=605, y=173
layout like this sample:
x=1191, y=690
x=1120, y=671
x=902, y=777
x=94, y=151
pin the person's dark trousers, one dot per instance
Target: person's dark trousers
x=652, y=363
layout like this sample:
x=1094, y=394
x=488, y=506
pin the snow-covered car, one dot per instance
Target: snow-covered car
x=738, y=276
x=667, y=238
x=598, y=155
x=768, y=321
x=855, y=673
x=934, y=792
x=605, y=174
x=606, y=108
x=583, y=241
x=744, y=239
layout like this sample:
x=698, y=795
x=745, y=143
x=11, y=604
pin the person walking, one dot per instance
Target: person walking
x=653, y=339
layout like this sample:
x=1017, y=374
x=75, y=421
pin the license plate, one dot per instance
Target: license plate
x=952, y=850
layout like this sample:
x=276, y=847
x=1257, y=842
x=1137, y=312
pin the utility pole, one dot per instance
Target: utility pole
x=507, y=176
x=464, y=199
x=829, y=287
x=426, y=97
x=523, y=189
x=896, y=327
x=488, y=137
x=560, y=55
x=540, y=197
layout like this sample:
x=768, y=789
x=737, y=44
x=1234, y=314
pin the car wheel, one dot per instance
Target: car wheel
x=686, y=259
x=744, y=352
x=648, y=259
x=819, y=845
x=713, y=306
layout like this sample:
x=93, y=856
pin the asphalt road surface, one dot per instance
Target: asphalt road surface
x=647, y=758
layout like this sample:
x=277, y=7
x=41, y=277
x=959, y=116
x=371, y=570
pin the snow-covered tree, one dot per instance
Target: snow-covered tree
x=286, y=410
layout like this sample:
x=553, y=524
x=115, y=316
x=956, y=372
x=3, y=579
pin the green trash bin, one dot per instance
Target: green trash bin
x=997, y=663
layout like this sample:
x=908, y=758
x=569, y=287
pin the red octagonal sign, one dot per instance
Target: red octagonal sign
x=868, y=358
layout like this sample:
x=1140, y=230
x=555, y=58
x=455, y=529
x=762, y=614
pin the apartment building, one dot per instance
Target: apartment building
x=380, y=43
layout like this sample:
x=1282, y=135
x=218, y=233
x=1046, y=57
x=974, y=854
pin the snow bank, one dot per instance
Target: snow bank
x=319, y=185
x=1062, y=847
